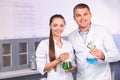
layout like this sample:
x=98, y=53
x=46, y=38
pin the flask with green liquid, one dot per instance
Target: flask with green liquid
x=66, y=65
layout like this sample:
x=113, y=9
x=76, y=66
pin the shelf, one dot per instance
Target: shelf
x=17, y=73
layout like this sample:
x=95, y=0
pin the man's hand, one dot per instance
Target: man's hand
x=97, y=53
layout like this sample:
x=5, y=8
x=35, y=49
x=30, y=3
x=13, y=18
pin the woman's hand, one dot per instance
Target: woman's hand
x=63, y=57
x=72, y=69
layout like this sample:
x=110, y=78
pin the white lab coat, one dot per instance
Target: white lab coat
x=103, y=41
x=42, y=58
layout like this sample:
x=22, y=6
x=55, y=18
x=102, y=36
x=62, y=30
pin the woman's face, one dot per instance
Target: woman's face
x=57, y=26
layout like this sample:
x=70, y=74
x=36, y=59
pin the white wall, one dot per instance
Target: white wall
x=6, y=16
x=30, y=18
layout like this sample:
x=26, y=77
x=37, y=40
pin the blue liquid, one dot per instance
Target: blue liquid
x=91, y=60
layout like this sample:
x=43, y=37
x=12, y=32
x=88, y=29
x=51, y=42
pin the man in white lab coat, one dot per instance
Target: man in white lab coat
x=94, y=47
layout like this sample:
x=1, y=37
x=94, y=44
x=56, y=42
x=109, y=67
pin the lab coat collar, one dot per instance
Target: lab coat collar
x=56, y=41
x=90, y=34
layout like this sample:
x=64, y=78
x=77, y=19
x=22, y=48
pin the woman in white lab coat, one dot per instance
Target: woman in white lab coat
x=52, y=52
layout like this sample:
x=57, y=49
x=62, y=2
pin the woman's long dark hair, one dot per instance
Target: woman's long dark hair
x=51, y=41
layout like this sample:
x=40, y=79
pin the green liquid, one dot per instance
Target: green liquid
x=67, y=65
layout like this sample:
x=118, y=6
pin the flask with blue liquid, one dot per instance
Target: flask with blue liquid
x=90, y=58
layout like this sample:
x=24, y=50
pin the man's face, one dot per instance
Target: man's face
x=82, y=17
